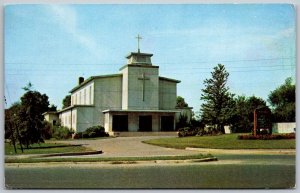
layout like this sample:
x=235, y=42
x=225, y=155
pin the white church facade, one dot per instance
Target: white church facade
x=135, y=99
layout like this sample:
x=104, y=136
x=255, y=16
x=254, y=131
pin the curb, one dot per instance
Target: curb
x=156, y=162
x=203, y=160
x=69, y=154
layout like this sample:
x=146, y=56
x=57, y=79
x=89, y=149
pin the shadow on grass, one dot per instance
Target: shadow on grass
x=50, y=147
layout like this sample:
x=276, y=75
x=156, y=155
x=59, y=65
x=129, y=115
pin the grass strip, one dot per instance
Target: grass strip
x=46, y=148
x=105, y=159
x=227, y=141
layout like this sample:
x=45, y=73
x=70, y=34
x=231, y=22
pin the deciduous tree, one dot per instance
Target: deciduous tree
x=33, y=105
x=242, y=116
x=24, y=122
x=66, y=101
x=180, y=102
x=12, y=125
x=282, y=100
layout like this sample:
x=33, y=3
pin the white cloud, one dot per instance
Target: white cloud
x=287, y=33
x=67, y=18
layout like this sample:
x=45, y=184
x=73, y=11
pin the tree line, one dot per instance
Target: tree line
x=25, y=125
x=221, y=107
x=24, y=120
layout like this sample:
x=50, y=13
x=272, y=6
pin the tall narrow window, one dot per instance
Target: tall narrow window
x=72, y=100
x=79, y=98
x=91, y=95
x=84, y=97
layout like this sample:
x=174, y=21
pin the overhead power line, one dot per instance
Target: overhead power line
x=179, y=68
x=188, y=62
x=185, y=71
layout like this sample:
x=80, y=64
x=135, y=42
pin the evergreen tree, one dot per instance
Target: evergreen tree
x=217, y=108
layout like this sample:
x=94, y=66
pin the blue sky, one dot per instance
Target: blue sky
x=52, y=45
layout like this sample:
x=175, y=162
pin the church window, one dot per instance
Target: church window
x=79, y=98
x=84, y=96
x=91, y=102
x=74, y=118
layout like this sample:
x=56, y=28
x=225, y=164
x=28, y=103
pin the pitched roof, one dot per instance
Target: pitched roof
x=169, y=79
x=137, y=53
x=92, y=78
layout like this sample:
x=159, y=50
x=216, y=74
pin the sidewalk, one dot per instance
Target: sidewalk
x=134, y=147
x=129, y=147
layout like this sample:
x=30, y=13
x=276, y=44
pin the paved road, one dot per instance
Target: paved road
x=251, y=171
x=129, y=147
x=276, y=169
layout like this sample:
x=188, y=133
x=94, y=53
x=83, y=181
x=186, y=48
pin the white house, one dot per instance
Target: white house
x=135, y=99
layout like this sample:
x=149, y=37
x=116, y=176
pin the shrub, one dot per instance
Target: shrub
x=182, y=121
x=267, y=137
x=60, y=132
x=197, y=131
x=183, y=132
x=188, y=131
x=91, y=132
x=47, y=130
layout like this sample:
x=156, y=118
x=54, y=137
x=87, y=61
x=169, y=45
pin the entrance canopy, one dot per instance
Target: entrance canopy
x=140, y=111
x=139, y=120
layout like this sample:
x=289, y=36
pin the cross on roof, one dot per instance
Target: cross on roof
x=143, y=78
x=138, y=38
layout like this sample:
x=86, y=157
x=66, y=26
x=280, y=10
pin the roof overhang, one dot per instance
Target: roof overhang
x=138, y=53
x=169, y=79
x=140, y=111
x=50, y=112
x=74, y=106
x=92, y=78
x=183, y=108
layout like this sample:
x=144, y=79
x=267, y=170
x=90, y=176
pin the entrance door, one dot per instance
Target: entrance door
x=120, y=123
x=145, y=123
x=167, y=123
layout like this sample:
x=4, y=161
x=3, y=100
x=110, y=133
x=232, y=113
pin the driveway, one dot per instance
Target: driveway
x=129, y=147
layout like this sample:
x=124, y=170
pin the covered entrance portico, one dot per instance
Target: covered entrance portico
x=139, y=120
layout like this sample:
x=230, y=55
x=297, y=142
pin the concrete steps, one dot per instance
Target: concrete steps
x=137, y=134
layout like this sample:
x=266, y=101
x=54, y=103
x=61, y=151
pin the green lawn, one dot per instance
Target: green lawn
x=45, y=148
x=228, y=141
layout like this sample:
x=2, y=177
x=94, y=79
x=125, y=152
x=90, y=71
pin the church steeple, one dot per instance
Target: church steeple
x=138, y=38
x=139, y=58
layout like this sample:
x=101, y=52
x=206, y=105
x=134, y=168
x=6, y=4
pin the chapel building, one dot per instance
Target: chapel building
x=135, y=99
